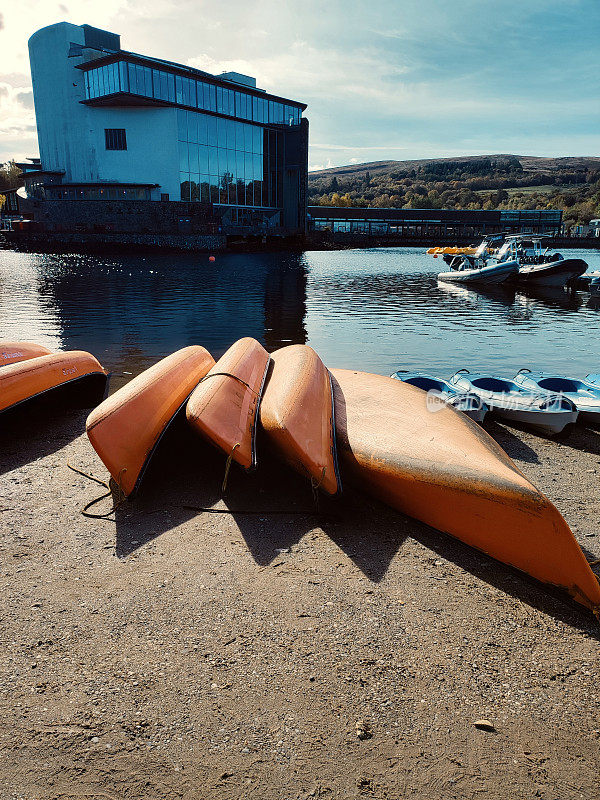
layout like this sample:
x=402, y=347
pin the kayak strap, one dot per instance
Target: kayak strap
x=228, y=464
x=228, y=375
x=84, y=511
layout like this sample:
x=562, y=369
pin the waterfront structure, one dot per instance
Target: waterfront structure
x=116, y=125
x=427, y=223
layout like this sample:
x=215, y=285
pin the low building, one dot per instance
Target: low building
x=426, y=223
x=118, y=126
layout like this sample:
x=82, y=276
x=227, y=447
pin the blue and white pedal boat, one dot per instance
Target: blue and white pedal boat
x=583, y=393
x=440, y=390
x=547, y=412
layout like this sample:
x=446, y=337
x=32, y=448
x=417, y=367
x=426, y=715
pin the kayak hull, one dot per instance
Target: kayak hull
x=224, y=406
x=447, y=472
x=297, y=414
x=24, y=380
x=13, y=352
x=126, y=428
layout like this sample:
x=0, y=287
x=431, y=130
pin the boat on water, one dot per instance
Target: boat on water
x=127, y=427
x=223, y=408
x=24, y=380
x=547, y=412
x=537, y=265
x=479, y=267
x=583, y=393
x=446, y=471
x=442, y=391
x=470, y=269
x=518, y=257
x=12, y=352
x=297, y=415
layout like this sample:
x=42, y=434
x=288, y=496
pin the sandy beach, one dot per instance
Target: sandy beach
x=279, y=650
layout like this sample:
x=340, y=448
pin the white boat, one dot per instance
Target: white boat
x=583, y=393
x=547, y=412
x=538, y=266
x=443, y=392
x=469, y=272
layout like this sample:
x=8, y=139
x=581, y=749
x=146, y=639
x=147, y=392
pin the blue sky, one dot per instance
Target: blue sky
x=385, y=79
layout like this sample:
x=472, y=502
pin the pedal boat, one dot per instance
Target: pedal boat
x=24, y=380
x=440, y=391
x=546, y=412
x=127, y=427
x=12, y=352
x=446, y=471
x=584, y=394
x=297, y=415
x=223, y=408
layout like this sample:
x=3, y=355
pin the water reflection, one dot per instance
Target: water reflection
x=378, y=310
x=132, y=311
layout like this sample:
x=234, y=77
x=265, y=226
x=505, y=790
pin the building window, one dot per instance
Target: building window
x=115, y=138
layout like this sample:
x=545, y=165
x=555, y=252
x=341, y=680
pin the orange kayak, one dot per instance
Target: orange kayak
x=24, y=380
x=443, y=469
x=224, y=406
x=297, y=414
x=126, y=428
x=12, y=352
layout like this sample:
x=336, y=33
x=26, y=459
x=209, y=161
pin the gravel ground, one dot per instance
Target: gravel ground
x=283, y=653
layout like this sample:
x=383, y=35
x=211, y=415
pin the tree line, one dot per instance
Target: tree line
x=479, y=183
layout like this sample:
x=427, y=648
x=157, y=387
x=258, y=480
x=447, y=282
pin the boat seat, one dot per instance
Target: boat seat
x=425, y=383
x=559, y=385
x=492, y=384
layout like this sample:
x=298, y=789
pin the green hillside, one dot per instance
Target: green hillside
x=467, y=182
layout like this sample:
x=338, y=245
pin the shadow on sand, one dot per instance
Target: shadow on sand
x=274, y=509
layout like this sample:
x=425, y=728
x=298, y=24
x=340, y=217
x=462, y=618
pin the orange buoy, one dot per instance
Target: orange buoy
x=444, y=470
x=12, y=352
x=212, y=258
x=296, y=412
x=24, y=380
x=126, y=428
x=224, y=406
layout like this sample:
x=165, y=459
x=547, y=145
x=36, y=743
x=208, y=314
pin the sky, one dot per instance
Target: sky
x=383, y=79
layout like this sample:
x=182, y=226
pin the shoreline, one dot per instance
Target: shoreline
x=109, y=244
x=174, y=652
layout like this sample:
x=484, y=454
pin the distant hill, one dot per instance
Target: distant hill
x=528, y=163
x=490, y=181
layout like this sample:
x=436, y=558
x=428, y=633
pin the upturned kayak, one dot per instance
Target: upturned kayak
x=24, y=380
x=13, y=352
x=297, y=415
x=126, y=428
x=444, y=470
x=223, y=408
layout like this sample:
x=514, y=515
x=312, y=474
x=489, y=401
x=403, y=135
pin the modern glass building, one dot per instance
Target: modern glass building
x=117, y=125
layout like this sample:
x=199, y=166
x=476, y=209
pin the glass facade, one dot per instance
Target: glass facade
x=228, y=162
x=158, y=84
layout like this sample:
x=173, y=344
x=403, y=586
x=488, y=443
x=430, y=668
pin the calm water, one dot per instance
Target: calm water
x=377, y=310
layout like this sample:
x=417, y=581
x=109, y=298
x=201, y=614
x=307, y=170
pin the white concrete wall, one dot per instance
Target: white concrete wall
x=71, y=135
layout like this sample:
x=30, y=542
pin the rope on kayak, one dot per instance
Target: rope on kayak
x=315, y=486
x=228, y=466
x=84, y=511
x=594, y=563
x=229, y=375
